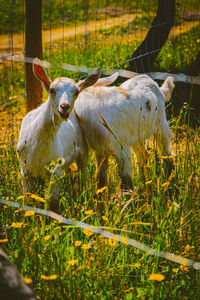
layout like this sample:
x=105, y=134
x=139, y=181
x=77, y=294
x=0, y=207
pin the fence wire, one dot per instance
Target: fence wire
x=89, y=34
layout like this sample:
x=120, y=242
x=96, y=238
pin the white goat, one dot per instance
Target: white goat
x=134, y=111
x=52, y=131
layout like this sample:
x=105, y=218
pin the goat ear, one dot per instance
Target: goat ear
x=107, y=80
x=40, y=73
x=90, y=80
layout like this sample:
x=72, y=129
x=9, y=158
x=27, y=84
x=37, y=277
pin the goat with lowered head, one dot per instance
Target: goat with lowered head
x=134, y=111
x=52, y=131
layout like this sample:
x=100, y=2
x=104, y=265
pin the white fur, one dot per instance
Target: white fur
x=52, y=131
x=134, y=111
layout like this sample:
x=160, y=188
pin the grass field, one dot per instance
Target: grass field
x=162, y=211
x=63, y=262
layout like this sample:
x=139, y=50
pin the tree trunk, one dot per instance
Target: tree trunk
x=143, y=58
x=33, y=48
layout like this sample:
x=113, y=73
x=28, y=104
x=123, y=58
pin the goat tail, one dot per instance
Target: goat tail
x=167, y=88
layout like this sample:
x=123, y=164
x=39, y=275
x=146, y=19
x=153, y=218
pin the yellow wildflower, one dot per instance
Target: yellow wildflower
x=157, y=277
x=29, y=213
x=3, y=240
x=87, y=232
x=183, y=268
x=73, y=262
x=112, y=242
x=18, y=210
x=20, y=197
x=51, y=277
x=105, y=218
x=175, y=270
x=47, y=237
x=124, y=240
x=17, y=225
x=89, y=212
x=86, y=246
x=137, y=265
x=37, y=198
x=188, y=247
x=101, y=190
x=77, y=243
x=28, y=280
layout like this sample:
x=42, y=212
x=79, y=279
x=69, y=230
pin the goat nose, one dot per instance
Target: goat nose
x=65, y=106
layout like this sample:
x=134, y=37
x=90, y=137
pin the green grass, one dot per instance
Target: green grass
x=55, y=12
x=163, y=213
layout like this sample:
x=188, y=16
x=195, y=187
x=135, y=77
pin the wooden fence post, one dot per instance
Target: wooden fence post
x=33, y=48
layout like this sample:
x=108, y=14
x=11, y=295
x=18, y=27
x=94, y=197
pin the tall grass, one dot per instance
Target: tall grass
x=63, y=262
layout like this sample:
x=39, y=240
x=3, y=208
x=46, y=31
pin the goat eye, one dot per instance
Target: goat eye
x=52, y=91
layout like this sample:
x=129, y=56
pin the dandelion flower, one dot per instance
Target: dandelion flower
x=188, y=247
x=157, y=277
x=28, y=280
x=3, y=240
x=87, y=232
x=77, y=243
x=89, y=212
x=175, y=270
x=183, y=268
x=124, y=240
x=137, y=265
x=37, y=198
x=29, y=213
x=18, y=210
x=105, y=218
x=20, y=197
x=73, y=262
x=16, y=225
x=101, y=190
x=112, y=242
x=47, y=237
x=51, y=277
x=86, y=246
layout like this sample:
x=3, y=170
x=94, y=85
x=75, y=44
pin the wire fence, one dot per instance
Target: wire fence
x=89, y=34
x=100, y=230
